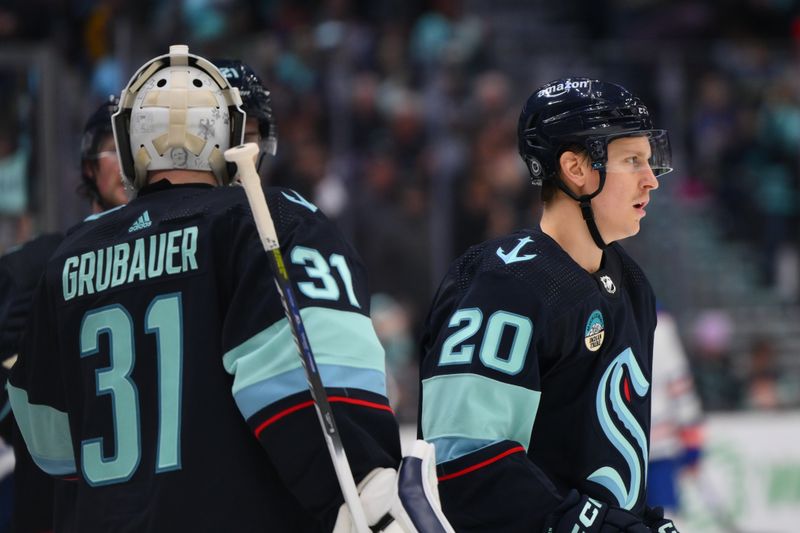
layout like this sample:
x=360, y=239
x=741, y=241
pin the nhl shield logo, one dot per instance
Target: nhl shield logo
x=595, y=331
x=608, y=285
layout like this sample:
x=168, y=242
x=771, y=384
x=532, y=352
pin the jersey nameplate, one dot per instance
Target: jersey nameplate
x=165, y=253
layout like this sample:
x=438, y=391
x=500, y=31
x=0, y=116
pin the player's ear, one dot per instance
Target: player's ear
x=574, y=171
x=89, y=168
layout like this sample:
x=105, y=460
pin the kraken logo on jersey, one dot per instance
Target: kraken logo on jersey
x=632, y=444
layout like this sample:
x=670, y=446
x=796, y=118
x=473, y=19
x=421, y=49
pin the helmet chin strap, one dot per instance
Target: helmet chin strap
x=588, y=216
x=585, y=202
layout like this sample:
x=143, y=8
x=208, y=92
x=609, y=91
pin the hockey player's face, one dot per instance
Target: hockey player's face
x=629, y=180
x=108, y=176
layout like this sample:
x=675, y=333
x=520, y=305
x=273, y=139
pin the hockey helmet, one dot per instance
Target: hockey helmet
x=588, y=114
x=256, y=100
x=177, y=112
x=96, y=129
x=97, y=126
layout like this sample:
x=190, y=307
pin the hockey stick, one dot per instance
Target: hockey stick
x=245, y=156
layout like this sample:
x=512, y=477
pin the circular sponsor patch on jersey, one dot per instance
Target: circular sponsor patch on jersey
x=595, y=331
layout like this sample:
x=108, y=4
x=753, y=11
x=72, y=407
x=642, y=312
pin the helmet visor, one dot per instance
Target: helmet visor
x=648, y=149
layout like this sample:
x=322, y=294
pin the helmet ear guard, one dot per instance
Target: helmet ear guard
x=536, y=170
x=177, y=112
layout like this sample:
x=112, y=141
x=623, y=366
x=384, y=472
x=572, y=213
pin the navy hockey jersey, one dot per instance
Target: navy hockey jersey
x=20, y=271
x=161, y=374
x=535, y=381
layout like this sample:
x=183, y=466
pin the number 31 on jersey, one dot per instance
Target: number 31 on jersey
x=318, y=269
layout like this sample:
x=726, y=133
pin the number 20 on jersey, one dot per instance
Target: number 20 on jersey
x=459, y=347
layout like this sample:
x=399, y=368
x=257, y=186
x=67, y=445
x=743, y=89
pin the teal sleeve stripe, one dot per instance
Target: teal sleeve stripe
x=259, y=395
x=476, y=408
x=338, y=338
x=55, y=467
x=46, y=432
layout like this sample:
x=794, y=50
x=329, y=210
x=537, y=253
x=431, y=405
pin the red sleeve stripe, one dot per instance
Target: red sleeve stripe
x=480, y=465
x=331, y=399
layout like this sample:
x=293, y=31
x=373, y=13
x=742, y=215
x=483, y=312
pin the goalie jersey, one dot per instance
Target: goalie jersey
x=536, y=380
x=161, y=375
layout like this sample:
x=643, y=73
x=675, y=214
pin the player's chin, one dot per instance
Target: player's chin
x=632, y=229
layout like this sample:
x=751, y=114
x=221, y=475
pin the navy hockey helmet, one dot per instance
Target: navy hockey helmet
x=585, y=113
x=256, y=100
x=97, y=128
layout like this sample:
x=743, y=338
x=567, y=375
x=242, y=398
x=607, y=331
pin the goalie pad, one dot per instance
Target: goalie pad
x=401, y=502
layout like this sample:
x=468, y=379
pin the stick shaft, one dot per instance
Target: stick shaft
x=269, y=239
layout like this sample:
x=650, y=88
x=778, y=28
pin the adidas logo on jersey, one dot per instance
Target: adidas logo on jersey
x=141, y=223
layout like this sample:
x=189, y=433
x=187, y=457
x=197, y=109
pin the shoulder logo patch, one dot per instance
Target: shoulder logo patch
x=608, y=284
x=513, y=256
x=141, y=223
x=296, y=198
x=595, y=331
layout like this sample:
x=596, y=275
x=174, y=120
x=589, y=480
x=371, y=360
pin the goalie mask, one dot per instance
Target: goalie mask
x=177, y=112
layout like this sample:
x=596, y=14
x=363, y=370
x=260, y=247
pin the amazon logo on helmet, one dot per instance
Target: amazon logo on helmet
x=177, y=112
x=560, y=87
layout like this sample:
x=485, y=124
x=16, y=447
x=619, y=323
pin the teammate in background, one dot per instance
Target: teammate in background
x=259, y=127
x=538, y=347
x=181, y=404
x=101, y=180
x=676, y=430
x=20, y=271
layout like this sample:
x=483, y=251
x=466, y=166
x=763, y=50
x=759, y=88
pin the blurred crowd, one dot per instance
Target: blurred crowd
x=396, y=119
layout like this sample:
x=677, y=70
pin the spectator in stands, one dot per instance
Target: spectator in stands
x=768, y=387
x=719, y=387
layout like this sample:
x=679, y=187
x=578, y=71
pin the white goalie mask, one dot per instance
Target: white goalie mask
x=177, y=112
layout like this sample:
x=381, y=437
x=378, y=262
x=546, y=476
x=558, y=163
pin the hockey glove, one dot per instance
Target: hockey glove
x=581, y=514
x=654, y=518
x=404, y=502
